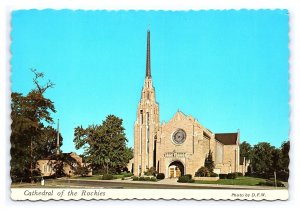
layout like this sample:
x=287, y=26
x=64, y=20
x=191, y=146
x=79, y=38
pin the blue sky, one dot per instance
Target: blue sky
x=228, y=69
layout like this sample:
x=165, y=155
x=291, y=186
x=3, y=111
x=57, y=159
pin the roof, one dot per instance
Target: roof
x=65, y=155
x=227, y=138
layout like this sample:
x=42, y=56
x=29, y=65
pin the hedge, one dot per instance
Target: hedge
x=160, y=176
x=107, y=177
x=223, y=176
x=125, y=174
x=147, y=179
x=185, y=179
x=232, y=176
x=213, y=174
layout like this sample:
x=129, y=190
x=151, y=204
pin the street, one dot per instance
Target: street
x=128, y=184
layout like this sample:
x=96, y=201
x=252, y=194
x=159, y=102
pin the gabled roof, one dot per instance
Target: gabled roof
x=227, y=138
x=177, y=116
x=71, y=156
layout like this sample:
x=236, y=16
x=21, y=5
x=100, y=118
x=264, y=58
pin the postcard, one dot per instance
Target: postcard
x=149, y=105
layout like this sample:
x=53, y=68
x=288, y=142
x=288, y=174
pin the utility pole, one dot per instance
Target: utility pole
x=57, y=141
x=31, y=160
x=275, y=179
x=244, y=166
x=107, y=160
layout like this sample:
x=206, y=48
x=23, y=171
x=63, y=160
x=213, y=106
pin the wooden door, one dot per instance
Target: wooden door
x=171, y=172
x=178, y=172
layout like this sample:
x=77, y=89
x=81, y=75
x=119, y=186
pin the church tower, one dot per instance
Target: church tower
x=147, y=123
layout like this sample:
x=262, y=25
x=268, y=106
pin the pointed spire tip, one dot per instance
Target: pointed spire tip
x=148, y=68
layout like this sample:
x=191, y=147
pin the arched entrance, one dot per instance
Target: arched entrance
x=176, y=169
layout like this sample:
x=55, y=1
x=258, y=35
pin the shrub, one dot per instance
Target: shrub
x=202, y=172
x=147, y=178
x=223, y=176
x=189, y=176
x=283, y=175
x=213, y=174
x=185, y=179
x=239, y=174
x=144, y=178
x=127, y=174
x=231, y=176
x=151, y=172
x=271, y=183
x=153, y=179
x=134, y=178
x=107, y=177
x=248, y=174
x=141, y=178
x=160, y=176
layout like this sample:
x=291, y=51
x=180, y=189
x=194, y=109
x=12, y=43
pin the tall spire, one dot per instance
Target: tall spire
x=148, y=68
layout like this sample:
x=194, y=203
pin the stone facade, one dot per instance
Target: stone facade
x=181, y=145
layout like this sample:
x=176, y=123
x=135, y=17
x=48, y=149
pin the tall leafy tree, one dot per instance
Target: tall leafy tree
x=48, y=138
x=245, y=151
x=30, y=138
x=285, y=159
x=276, y=160
x=262, y=157
x=104, y=145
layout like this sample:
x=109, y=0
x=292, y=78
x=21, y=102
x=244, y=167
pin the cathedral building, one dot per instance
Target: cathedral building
x=180, y=146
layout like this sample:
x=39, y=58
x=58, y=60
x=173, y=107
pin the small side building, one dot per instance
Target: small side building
x=67, y=163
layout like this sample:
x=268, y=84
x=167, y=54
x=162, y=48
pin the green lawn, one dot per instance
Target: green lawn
x=97, y=177
x=249, y=181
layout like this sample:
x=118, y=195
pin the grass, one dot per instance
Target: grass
x=99, y=177
x=248, y=181
x=118, y=176
x=94, y=177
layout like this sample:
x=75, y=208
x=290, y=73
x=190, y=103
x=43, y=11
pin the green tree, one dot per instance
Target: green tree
x=48, y=138
x=209, y=163
x=276, y=160
x=285, y=159
x=30, y=139
x=245, y=151
x=262, y=158
x=104, y=145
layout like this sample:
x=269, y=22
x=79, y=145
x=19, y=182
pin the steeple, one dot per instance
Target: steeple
x=148, y=68
x=146, y=124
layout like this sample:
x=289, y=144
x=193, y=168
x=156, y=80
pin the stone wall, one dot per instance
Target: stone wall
x=191, y=153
